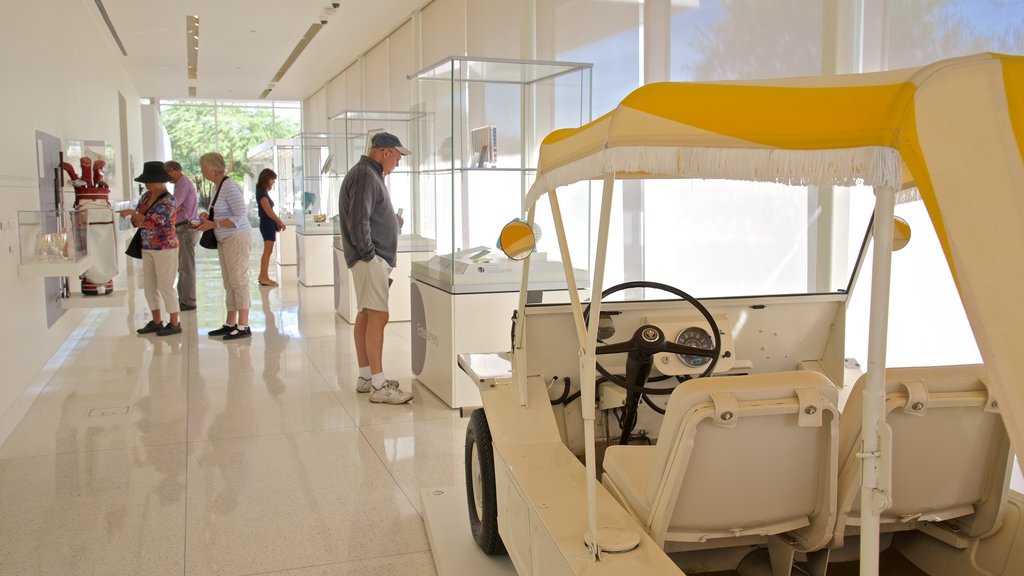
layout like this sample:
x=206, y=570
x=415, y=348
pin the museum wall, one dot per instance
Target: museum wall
x=64, y=77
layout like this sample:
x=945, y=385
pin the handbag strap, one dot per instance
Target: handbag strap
x=215, y=196
x=154, y=202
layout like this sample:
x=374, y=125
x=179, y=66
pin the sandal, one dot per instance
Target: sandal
x=267, y=283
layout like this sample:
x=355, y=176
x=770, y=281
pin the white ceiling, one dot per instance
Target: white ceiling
x=243, y=43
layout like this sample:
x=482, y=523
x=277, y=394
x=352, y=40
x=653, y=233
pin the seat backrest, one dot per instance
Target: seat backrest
x=747, y=455
x=951, y=456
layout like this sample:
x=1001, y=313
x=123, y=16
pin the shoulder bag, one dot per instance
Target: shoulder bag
x=135, y=246
x=208, y=239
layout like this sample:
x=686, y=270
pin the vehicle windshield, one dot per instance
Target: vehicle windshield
x=728, y=238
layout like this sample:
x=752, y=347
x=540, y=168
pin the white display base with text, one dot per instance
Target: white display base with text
x=444, y=325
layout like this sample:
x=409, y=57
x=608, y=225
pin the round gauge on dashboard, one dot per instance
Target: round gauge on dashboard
x=695, y=337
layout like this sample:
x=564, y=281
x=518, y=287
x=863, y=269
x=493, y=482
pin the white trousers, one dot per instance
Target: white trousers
x=159, y=267
x=233, y=253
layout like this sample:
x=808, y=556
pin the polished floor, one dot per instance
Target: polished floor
x=187, y=455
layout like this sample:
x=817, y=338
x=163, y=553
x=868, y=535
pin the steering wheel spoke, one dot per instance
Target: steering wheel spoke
x=616, y=348
x=688, y=350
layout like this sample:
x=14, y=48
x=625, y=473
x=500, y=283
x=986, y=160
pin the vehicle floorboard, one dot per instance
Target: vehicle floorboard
x=890, y=563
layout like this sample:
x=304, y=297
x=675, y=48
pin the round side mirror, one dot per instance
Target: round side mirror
x=900, y=233
x=517, y=240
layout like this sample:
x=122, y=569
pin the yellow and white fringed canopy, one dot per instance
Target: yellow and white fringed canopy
x=954, y=129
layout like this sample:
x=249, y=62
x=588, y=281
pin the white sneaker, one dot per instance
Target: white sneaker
x=363, y=385
x=390, y=393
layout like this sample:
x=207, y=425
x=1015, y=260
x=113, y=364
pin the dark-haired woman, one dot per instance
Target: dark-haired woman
x=270, y=222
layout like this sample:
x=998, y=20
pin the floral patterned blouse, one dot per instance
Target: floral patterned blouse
x=158, y=224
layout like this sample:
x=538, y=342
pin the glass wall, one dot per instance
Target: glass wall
x=728, y=238
x=605, y=34
x=231, y=128
x=608, y=35
x=725, y=40
x=915, y=33
x=745, y=39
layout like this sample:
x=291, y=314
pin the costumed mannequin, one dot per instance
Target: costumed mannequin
x=93, y=195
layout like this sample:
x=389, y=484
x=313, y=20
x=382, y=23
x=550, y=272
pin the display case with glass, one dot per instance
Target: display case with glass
x=315, y=184
x=307, y=184
x=476, y=145
x=52, y=243
x=279, y=155
x=352, y=131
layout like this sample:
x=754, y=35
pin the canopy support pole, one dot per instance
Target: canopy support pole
x=518, y=350
x=588, y=370
x=570, y=275
x=876, y=453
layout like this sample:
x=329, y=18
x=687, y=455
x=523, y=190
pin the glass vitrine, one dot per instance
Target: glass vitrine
x=315, y=184
x=52, y=243
x=352, y=132
x=279, y=156
x=475, y=142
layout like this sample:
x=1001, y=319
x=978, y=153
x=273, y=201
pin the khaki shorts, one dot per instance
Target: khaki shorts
x=371, y=284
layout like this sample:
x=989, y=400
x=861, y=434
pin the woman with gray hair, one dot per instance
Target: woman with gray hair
x=230, y=224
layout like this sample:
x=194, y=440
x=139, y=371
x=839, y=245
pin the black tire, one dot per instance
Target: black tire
x=480, y=489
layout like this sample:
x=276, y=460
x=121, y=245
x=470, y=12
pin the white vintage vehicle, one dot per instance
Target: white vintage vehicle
x=772, y=447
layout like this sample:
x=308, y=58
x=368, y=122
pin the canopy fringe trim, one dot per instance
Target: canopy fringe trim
x=871, y=165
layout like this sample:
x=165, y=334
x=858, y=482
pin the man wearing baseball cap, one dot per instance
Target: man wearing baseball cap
x=369, y=234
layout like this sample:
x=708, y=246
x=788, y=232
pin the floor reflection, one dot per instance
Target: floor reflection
x=189, y=464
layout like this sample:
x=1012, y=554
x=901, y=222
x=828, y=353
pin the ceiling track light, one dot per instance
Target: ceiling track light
x=192, y=46
x=313, y=30
x=110, y=26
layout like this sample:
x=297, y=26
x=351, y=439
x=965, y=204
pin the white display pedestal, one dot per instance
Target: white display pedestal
x=313, y=253
x=398, y=300
x=445, y=325
x=284, y=248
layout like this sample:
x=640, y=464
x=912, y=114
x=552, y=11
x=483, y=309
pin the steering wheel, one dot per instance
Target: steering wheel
x=650, y=340
x=641, y=347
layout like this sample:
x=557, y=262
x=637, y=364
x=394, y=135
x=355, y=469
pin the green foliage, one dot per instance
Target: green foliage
x=195, y=128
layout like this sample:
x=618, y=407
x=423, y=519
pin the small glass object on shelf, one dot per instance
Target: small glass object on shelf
x=50, y=236
x=51, y=246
